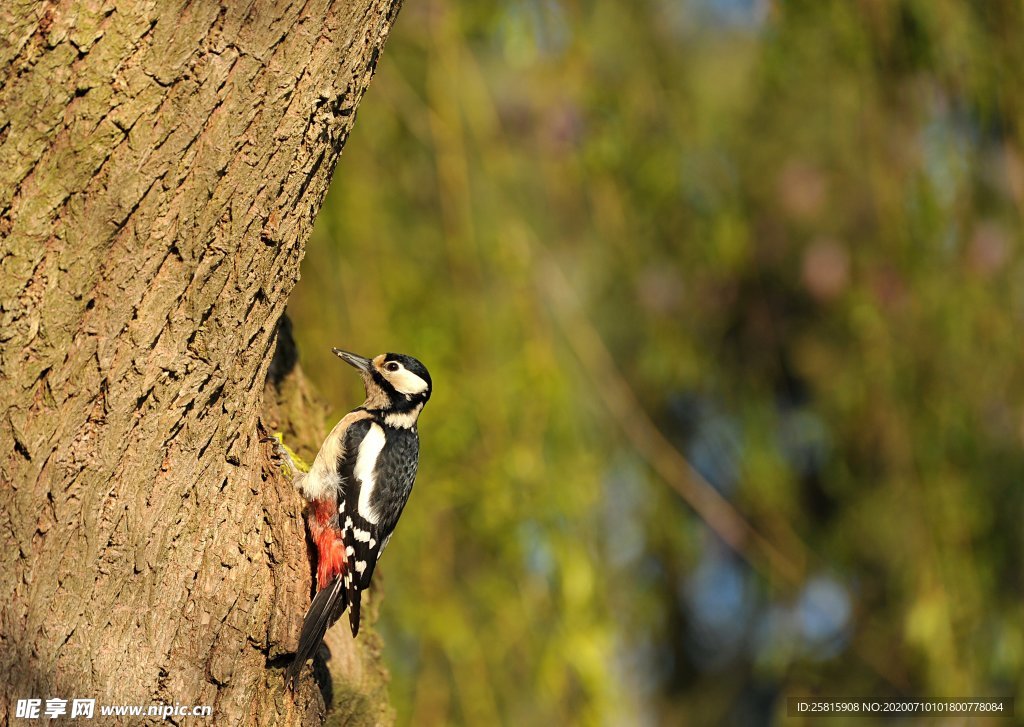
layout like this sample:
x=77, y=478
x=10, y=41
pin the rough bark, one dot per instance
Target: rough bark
x=160, y=167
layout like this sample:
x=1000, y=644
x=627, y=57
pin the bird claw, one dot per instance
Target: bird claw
x=281, y=453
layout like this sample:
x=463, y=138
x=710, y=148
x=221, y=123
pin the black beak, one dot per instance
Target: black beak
x=363, y=364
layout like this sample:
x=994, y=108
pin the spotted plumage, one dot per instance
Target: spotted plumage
x=357, y=488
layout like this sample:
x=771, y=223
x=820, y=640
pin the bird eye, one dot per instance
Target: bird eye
x=391, y=366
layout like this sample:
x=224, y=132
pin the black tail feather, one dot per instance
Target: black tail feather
x=353, y=612
x=326, y=608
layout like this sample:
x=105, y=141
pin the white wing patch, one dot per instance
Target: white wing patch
x=364, y=470
x=323, y=479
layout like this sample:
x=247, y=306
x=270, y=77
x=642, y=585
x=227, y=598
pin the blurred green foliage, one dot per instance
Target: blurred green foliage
x=796, y=228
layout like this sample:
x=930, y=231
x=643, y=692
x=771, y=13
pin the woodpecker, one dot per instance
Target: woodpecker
x=357, y=487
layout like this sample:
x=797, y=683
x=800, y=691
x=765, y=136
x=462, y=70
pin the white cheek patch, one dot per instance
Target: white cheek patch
x=406, y=382
x=364, y=470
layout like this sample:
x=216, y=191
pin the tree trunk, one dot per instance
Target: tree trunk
x=160, y=167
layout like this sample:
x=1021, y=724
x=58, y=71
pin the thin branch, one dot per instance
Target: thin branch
x=648, y=441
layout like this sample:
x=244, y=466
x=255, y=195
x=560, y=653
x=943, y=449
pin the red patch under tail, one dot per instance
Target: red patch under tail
x=331, y=558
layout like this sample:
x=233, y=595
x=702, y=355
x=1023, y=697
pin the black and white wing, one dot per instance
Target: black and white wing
x=378, y=471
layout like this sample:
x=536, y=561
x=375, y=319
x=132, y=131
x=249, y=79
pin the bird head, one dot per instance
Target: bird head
x=394, y=382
